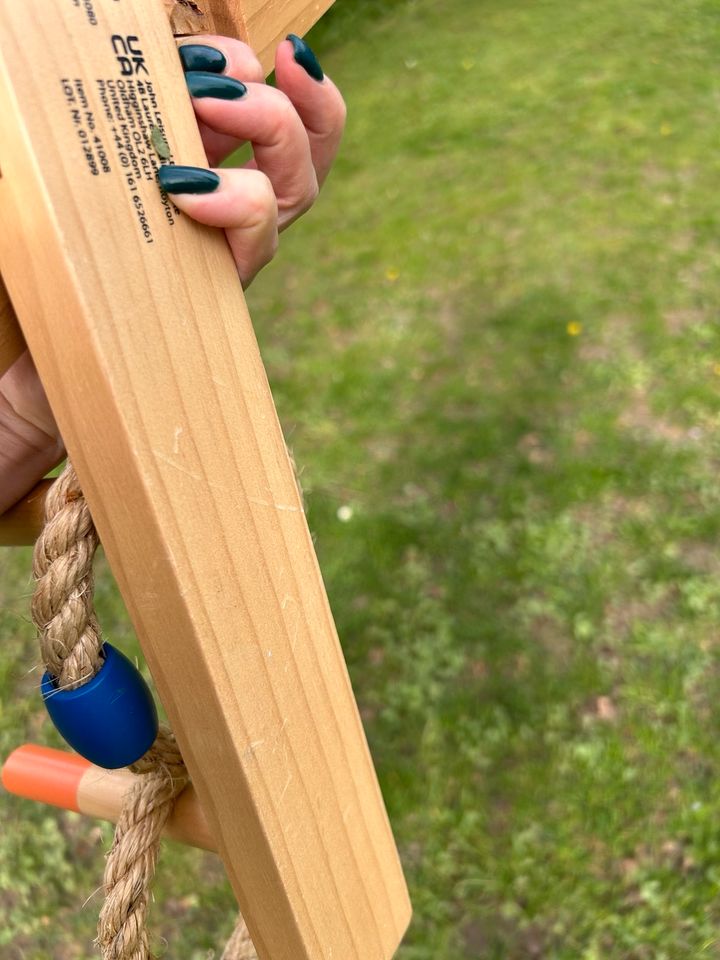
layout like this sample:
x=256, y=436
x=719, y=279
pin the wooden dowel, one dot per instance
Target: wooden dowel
x=70, y=782
x=22, y=523
x=12, y=342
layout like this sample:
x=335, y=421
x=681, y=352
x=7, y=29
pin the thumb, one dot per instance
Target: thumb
x=30, y=443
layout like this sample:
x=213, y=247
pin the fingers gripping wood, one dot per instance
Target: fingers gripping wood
x=260, y=23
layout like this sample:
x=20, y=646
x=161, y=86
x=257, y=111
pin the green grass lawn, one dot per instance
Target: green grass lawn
x=494, y=348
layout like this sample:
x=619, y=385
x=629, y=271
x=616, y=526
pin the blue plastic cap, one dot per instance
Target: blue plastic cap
x=111, y=720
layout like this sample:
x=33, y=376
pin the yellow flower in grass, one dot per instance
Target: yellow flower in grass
x=392, y=273
x=574, y=328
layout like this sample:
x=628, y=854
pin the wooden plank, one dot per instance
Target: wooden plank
x=137, y=325
x=263, y=25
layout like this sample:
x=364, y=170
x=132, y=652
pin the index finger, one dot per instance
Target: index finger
x=231, y=58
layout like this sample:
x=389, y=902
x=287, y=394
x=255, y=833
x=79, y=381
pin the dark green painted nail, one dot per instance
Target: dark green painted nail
x=211, y=85
x=305, y=57
x=176, y=179
x=197, y=56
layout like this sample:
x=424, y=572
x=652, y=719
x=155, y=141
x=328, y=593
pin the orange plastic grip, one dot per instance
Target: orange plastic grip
x=41, y=773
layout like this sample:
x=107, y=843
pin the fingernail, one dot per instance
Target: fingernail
x=305, y=57
x=176, y=179
x=211, y=85
x=198, y=56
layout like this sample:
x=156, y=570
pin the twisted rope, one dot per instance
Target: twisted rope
x=70, y=643
x=130, y=863
x=239, y=946
x=62, y=604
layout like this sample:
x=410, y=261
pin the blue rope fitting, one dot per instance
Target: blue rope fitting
x=111, y=720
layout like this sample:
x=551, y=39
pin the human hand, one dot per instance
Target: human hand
x=295, y=130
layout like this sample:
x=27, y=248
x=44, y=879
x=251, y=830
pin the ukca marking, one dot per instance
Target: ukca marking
x=128, y=54
x=128, y=113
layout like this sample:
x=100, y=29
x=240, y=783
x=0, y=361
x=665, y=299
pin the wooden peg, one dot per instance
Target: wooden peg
x=137, y=325
x=68, y=781
x=22, y=523
x=12, y=342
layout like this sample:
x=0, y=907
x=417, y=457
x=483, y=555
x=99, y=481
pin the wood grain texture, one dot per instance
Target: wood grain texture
x=12, y=342
x=150, y=363
x=264, y=23
x=187, y=18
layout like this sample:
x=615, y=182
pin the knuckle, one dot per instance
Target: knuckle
x=261, y=200
x=296, y=204
x=271, y=250
x=253, y=71
x=260, y=259
x=283, y=116
x=311, y=195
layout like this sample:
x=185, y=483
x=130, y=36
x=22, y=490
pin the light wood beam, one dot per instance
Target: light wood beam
x=137, y=325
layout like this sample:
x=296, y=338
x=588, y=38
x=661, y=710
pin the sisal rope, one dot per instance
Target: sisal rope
x=239, y=946
x=62, y=604
x=70, y=643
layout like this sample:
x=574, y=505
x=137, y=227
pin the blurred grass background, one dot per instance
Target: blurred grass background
x=494, y=348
